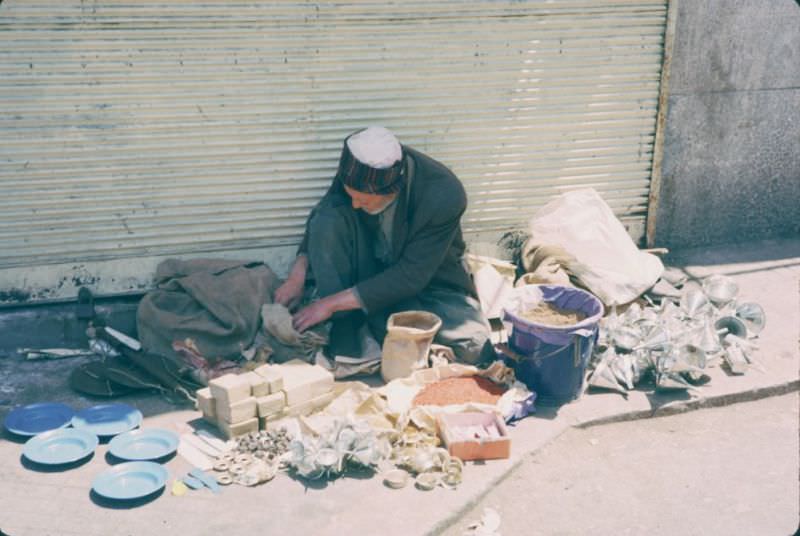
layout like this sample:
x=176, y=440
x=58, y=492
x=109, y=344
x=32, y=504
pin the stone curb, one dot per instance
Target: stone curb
x=684, y=406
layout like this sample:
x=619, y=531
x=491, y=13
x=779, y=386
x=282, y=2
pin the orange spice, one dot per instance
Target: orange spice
x=459, y=390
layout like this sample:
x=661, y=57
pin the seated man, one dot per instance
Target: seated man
x=386, y=237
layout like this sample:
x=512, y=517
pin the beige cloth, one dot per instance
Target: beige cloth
x=282, y=342
x=544, y=264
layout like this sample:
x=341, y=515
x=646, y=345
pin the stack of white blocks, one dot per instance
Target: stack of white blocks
x=241, y=403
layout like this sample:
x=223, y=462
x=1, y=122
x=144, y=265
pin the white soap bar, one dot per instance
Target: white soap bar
x=309, y=406
x=272, y=375
x=229, y=389
x=258, y=384
x=271, y=404
x=205, y=403
x=239, y=428
x=303, y=382
x=238, y=412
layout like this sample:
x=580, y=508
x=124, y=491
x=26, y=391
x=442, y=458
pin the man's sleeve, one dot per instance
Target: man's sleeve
x=334, y=189
x=421, y=257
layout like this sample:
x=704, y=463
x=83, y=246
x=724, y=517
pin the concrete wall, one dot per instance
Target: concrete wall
x=731, y=166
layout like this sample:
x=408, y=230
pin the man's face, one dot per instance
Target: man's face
x=370, y=203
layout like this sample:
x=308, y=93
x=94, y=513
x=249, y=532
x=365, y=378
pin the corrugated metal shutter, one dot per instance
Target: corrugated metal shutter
x=131, y=130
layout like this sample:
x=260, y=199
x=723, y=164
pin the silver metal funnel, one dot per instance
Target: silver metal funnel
x=695, y=358
x=644, y=361
x=622, y=367
x=642, y=364
x=692, y=355
x=657, y=338
x=603, y=377
x=670, y=381
x=668, y=309
x=631, y=314
x=694, y=302
x=626, y=338
x=730, y=325
x=674, y=276
x=720, y=289
x=735, y=359
x=672, y=362
x=753, y=316
x=649, y=314
x=707, y=339
x=645, y=325
x=744, y=344
x=611, y=321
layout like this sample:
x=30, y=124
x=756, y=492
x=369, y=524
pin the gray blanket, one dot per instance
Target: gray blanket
x=216, y=303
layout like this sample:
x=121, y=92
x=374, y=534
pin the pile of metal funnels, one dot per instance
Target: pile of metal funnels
x=675, y=341
x=347, y=443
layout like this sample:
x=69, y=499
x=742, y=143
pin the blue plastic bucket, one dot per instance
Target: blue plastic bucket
x=555, y=357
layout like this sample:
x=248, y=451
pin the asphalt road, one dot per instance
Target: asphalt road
x=729, y=470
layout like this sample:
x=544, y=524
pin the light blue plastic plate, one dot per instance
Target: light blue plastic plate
x=107, y=419
x=145, y=444
x=61, y=446
x=130, y=480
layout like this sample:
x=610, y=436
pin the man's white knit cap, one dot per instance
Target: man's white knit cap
x=376, y=147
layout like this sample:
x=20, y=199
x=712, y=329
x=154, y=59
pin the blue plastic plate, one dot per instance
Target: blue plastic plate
x=148, y=444
x=58, y=447
x=130, y=480
x=107, y=419
x=37, y=418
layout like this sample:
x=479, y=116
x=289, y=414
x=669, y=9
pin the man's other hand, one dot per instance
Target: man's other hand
x=311, y=315
x=290, y=293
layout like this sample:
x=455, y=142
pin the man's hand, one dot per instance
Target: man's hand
x=312, y=315
x=322, y=310
x=290, y=293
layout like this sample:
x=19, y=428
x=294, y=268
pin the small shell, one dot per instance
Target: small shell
x=225, y=479
x=427, y=481
x=451, y=479
x=246, y=479
x=454, y=466
x=244, y=459
x=396, y=478
x=236, y=469
x=221, y=466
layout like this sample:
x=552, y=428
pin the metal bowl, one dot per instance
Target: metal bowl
x=395, y=479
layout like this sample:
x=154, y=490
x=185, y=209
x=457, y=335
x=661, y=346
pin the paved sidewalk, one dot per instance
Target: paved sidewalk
x=730, y=470
x=39, y=503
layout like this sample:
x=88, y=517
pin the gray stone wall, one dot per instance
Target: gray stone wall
x=731, y=166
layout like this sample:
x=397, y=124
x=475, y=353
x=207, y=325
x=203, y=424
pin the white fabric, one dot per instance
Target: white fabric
x=604, y=258
x=376, y=147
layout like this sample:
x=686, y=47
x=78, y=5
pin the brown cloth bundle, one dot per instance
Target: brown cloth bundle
x=215, y=303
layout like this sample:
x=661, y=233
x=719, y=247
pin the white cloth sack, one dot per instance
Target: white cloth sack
x=604, y=258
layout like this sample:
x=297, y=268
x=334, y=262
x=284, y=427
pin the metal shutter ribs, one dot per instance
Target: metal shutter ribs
x=134, y=130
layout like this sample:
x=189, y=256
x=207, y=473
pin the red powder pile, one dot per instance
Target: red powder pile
x=459, y=391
